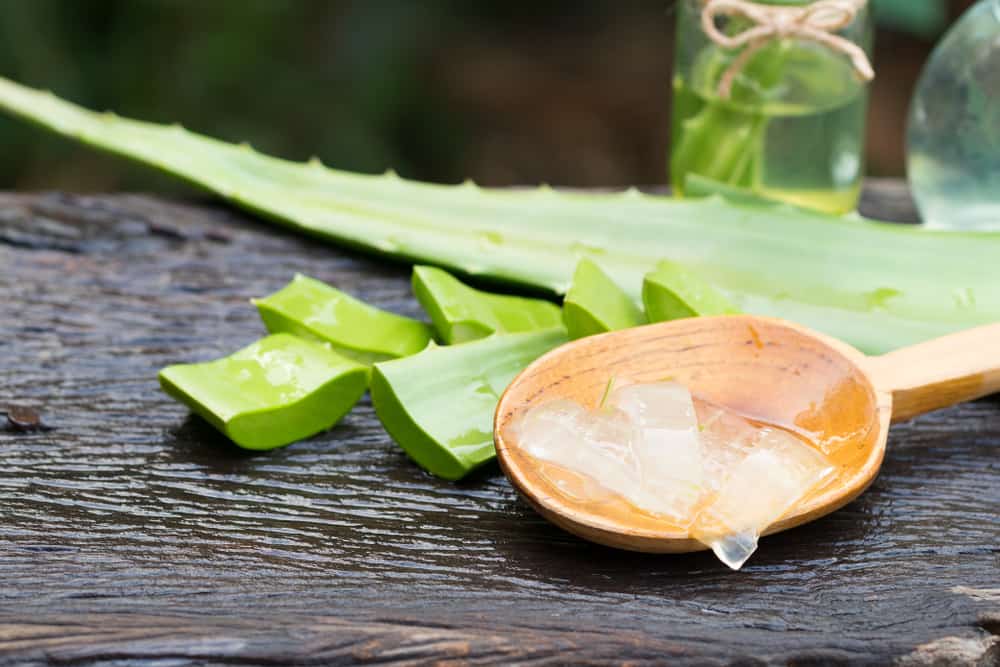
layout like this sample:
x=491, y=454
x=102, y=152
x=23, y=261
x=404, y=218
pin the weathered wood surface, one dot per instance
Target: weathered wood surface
x=131, y=532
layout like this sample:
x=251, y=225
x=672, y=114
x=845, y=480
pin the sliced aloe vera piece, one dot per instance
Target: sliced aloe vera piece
x=461, y=313
x=670, y=292
x=438, y=405
x=877, y=286
x=271, y=393
x=721, y=143
x=595, y=304
x=724, y=140
x=311, y=308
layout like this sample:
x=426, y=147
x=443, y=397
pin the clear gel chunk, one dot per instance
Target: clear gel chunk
x=722, y=476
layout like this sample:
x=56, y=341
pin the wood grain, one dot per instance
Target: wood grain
x=133, y=533
x=940, y=372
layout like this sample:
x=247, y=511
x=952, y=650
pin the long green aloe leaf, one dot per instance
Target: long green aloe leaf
x=877, y=286
x=595, y=304
x=311, y=308
x=438, y=405
x=461, y=313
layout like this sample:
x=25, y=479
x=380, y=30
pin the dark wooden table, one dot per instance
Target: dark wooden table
x=133, y=533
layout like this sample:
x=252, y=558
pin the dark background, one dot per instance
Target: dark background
x=568, y=92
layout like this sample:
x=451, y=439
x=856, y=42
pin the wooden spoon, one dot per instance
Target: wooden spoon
x=764, y=368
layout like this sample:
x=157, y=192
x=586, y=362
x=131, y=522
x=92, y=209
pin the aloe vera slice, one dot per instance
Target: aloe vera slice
x=271, y=393
x=876, y=286
x=438, y=405
x=724, y=140
x=720, y=143
x=311, y=308
x=671, y=292
x=595, y=304
x=461, y=313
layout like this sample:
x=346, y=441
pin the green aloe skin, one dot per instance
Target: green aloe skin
x=720, y=144
x=311, y=308
x=670, y=292
x=438, y=405
x=271, y=393
x=461, y=313
x=877, y=286
x=718, y=139
x=595, y=304
x=436, y=402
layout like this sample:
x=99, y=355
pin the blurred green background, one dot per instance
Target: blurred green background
x=565, y=92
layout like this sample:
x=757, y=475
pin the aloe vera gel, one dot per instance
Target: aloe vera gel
x=781, y=115
x=691, y=464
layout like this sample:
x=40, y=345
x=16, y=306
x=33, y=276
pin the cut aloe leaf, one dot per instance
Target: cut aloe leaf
x=670, y=292
x=461, y=313
x=876, y=286
x=438, y=405
x=271, y=393
x=720, y=143
x=595, y=304
x=311, y=308
x=724, y=139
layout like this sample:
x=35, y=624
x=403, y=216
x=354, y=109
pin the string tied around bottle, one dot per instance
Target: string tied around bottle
x=817, y=22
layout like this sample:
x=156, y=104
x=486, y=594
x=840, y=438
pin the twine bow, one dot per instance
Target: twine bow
x=816, y=22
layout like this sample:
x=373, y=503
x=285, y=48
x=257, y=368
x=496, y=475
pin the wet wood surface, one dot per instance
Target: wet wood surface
x=132, y=533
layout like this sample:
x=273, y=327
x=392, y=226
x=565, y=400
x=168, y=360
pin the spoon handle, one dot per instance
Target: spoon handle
x=959, y=367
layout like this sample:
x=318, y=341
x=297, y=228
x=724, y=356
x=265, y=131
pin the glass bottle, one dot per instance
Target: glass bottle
x=792, y=124
x=953, y=136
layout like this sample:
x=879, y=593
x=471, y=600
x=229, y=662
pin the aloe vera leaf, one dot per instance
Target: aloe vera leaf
x=311, y=308
x=461, y=313
x=877, y=286
x=719, y=143
x=438, y=405
x=271, y=393
x=670, y=292
x=724, y=140
x=595, y=304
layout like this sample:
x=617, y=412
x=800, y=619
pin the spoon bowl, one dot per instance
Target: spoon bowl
x=763, y=368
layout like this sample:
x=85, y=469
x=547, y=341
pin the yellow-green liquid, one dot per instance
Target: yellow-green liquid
x=792, y=129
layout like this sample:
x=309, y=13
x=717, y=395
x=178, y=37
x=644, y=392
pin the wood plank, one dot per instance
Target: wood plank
x=133, y=532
